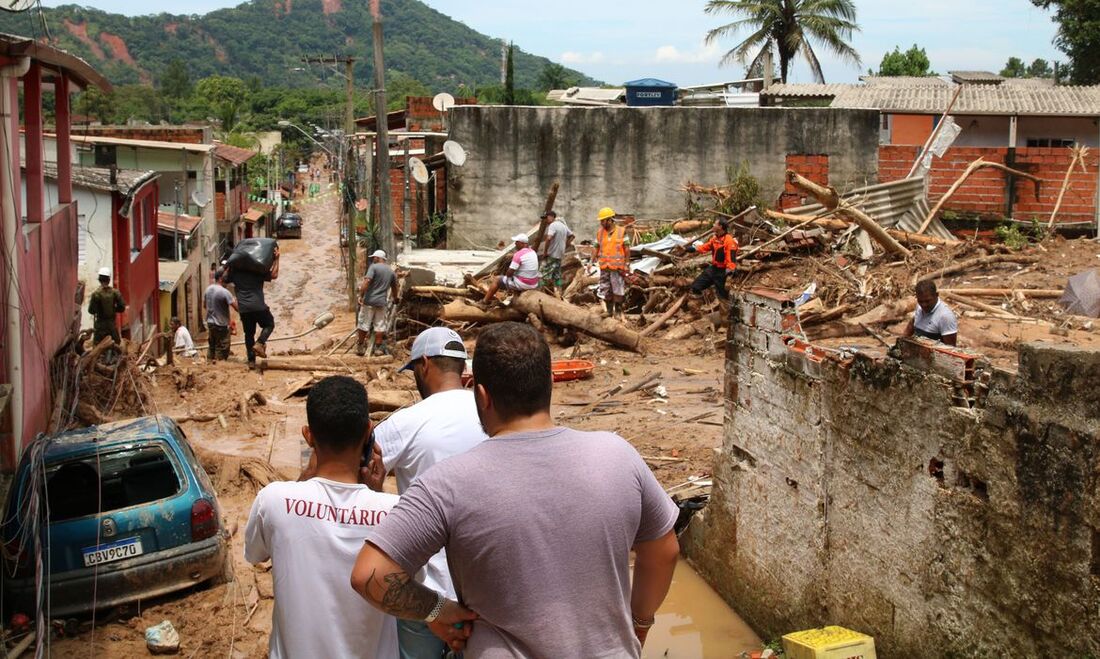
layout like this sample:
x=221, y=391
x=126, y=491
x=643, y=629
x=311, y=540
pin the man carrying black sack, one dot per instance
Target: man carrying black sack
x=252, y=307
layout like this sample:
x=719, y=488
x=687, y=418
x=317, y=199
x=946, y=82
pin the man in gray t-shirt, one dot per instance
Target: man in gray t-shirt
x=539, y=571
x=556, y=239
x=378, y=283
x=217, y=300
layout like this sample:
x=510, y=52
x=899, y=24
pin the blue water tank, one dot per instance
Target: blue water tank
x=649, y=92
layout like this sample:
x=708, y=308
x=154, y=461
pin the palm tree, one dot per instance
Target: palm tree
x=786, y=28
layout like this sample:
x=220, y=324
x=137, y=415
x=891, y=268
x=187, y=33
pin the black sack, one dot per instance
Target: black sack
x=254, y=255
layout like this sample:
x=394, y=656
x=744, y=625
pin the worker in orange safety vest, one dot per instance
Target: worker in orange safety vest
x=723, y=248
x=613, y=257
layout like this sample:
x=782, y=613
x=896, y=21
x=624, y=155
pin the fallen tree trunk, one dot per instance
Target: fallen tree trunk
x=833, y=224
x=962, y=266
x=432, y=291
x=561, y=313
x=1007, y=292
x=1079, y=155
x=828, y=197
x=461, y=311
x=824, y=316
x=388, y=400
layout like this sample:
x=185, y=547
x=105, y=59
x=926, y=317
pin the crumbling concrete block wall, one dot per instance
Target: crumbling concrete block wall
x=864, y=492
x=634, y=160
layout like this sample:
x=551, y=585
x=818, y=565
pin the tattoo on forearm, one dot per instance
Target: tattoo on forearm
x=402, y=597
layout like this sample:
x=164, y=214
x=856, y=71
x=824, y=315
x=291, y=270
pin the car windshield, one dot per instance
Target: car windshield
x=111, y=481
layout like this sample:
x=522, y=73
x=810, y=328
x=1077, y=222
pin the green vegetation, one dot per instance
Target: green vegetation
x=1078, y=36
x=255, y=40
x=744, y=191
x=913, y=62
x=788, y=28
x=1039, y=68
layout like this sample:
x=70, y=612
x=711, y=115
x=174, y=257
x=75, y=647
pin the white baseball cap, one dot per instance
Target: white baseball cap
x=380, y=254
x=520, y=238
x=105, y=272
x=433, y=342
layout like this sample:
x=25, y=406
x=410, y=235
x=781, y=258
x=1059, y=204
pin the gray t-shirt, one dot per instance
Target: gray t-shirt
x=538, y=528
x=381, y=279
x=556, y=235
x=939, y=323
x=217, y=300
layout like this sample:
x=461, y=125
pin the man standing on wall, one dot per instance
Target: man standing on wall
x=217, y=300
x=104, y=306
x=723, y=249
x=541, y=565
x=379, y=282
x=555, y=241
x=613, y=257
x=411, y=440
x=253, y=308
x=933, y=319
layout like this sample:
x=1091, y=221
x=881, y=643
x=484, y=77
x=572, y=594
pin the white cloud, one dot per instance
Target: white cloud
x=571, y=57
x=704, y=54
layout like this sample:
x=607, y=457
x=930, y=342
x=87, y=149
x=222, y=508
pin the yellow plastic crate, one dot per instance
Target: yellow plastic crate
x=829, y=643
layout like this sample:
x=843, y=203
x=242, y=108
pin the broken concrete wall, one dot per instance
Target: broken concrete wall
x=634, y=160
x=879, y=495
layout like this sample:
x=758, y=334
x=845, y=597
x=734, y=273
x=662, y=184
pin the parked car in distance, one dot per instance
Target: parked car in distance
x=131, y=515
x=289, y=225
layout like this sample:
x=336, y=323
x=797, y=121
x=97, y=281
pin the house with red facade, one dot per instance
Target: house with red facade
x=39, y=278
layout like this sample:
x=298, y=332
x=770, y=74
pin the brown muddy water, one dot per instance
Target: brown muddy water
x=695, y=623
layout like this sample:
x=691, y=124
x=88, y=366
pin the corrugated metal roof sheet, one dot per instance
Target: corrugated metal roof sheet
x=587, y=95
x=898, y=205
x=99, y=178
x=904, y=81
x=976, y=77
x=975, y=99
x=809, y=89
x=187, y=223
x=148, y=144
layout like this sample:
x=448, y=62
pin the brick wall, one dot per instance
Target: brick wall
x=985, y=191
x=862, y=491
x=814, y=166
x=421, y=115
x=176, y=134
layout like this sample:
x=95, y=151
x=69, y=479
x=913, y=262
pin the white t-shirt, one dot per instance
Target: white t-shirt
x=184, y=343
x=312, y=531
x=939, y=323
x=525, y=263
x=417, y=437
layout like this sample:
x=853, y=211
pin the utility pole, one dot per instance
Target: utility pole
x=343, y=149
x=382, y=141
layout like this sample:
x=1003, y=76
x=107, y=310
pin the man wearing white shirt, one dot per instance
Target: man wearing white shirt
x=182, y=341
x=933, y=319
x=443, y=424
x=313, y=529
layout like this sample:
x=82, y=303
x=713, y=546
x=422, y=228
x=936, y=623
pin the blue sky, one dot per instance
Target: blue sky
x=664, y=39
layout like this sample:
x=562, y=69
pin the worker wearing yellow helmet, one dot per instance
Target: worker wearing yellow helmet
x=613, y=257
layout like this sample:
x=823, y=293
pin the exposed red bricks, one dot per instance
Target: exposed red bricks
x=813, y=166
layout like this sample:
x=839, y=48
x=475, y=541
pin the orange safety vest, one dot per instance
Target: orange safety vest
x=722, y=251
x=612, y=255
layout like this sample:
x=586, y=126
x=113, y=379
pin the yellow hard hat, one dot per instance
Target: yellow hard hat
x=605, y=213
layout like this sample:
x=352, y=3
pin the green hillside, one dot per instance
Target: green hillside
x=265, y=39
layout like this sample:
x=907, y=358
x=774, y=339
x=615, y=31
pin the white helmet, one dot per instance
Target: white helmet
x=105, y=272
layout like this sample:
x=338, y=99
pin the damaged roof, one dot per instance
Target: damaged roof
x=976, y=77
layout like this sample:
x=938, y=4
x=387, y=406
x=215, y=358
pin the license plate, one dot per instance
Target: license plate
x=115, y=551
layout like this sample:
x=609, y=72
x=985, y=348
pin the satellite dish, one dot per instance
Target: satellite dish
x=418, y=169
x=454, y=153
x=443, y=102
x=199, y=200
x=17, y=5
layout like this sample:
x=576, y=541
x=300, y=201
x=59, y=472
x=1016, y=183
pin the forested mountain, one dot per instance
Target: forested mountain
x=266, y=39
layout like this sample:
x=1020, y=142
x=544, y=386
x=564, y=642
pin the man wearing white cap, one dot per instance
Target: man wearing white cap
x=523, y=271
x=443, y=424
x=104, y=306
x=379, y=281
